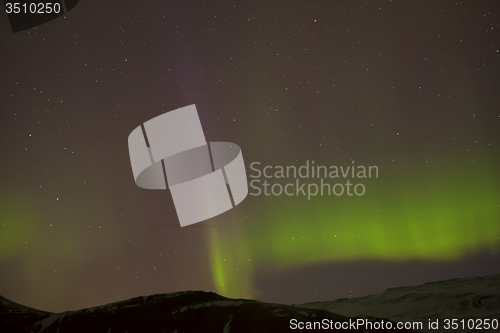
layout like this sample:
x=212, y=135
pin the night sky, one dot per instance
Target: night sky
x=409, y=87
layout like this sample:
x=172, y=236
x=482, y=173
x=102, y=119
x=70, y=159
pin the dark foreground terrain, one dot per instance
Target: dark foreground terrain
x=476, y=299
x=191, y=311
x=470, y=304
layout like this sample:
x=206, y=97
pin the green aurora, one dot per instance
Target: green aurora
x=433, y=215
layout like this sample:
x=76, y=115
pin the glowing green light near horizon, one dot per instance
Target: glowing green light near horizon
x=225, y=267
x=445, y=217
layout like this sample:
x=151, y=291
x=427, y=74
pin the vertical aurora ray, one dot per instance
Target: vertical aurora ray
x=435, y=216
x=231, y=270
x=16, y=217
x=216, y=259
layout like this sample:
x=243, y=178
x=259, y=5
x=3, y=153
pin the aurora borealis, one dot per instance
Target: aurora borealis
x=408, y=87
x=451, y=216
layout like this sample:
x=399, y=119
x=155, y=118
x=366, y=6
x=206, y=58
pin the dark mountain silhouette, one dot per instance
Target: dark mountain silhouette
x=475, y=300
x=465, y=299
x=190, y=311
